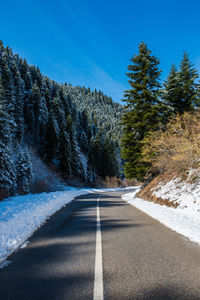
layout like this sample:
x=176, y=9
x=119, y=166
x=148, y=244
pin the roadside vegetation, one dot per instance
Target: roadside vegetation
x=175, y=148
x=161, y=127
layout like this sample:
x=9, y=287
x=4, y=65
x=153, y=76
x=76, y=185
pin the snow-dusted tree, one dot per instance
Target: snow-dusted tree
x=76, y=166
x=25, y=74
x=19, y=101
x=7, y=167
x=8, y=87
x=188, y=96
x=51, y=139
x=24, y=172
x=65, y=153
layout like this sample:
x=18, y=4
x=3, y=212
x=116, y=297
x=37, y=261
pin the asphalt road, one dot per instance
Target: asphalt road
x=142, y=259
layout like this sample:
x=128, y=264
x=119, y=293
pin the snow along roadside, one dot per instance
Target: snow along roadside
x=182, y=221
x=20, y=216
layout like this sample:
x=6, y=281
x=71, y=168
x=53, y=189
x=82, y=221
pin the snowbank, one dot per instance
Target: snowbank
x=22, y=215
x=183, y=193
x=185, y=219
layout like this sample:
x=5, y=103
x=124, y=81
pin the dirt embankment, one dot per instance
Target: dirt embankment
x=146, y=193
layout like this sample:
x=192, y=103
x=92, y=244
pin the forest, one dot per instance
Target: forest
x=51, y=131
x=53, y=134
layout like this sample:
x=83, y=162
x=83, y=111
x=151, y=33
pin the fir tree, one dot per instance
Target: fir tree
x=188, y=86
x=171, y=92
x=7, y=167
x=144, y=109
x=25, y=74
x=109, y=159
x=65, y=153
x=7, y=85
x=19, y=99
x=51, y=139
x=24, y=172
x=76, y=167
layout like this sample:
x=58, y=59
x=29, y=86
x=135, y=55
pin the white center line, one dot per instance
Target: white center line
x=98, y=279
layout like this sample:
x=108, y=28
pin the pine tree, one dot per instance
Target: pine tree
x=171, y=92
x=188, y=86
x=8, y=87
x=110, y=165
x=39, y=112
x=51, y=139
x=19, y=102
x=31, y=109
x=7, y=166
x=144, y=109
x=24, y=172
x=181, y=91
x=65, y=153
x=76, y=166
x=25, y=74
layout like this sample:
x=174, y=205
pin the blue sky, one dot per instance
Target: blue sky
x=90, y=42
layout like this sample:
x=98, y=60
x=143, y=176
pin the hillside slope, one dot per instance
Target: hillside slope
x=52, y=133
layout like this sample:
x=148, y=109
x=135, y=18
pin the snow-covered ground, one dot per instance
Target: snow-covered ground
x=183, y=193
x=20, y=216
x=185, y=219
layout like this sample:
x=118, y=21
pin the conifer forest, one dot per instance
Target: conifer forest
x=81, y=135
x=74, y=131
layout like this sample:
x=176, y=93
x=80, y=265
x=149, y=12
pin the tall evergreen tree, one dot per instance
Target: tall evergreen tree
x=19, y=101
x=76, y=166
x=188, y=86
x=65, y=153
x=7, y=167
x=51, y=139
x=109, y=159
x=171, y=91
x=24, y=172
x=144, y=109
x=181, y=91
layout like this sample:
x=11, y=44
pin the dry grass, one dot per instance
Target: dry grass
x=146, y=192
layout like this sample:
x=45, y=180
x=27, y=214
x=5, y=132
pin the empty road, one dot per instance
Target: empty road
x=100, y=247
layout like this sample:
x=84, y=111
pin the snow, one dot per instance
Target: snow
x=22, y=215
x=185, y=219
x=185, y=194
x=4, y=264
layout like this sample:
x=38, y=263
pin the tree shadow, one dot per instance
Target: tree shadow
x=58, y=262
x=168, y=292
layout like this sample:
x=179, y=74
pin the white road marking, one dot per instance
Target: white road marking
x=98, y=279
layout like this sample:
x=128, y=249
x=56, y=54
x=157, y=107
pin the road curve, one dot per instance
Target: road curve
x=141, y=258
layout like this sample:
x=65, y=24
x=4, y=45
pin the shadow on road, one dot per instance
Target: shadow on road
x=59, y=261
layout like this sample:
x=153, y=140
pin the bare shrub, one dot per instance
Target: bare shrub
x=131, y=182
x=108, y=182
x=176, y=148
x=115, y=182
